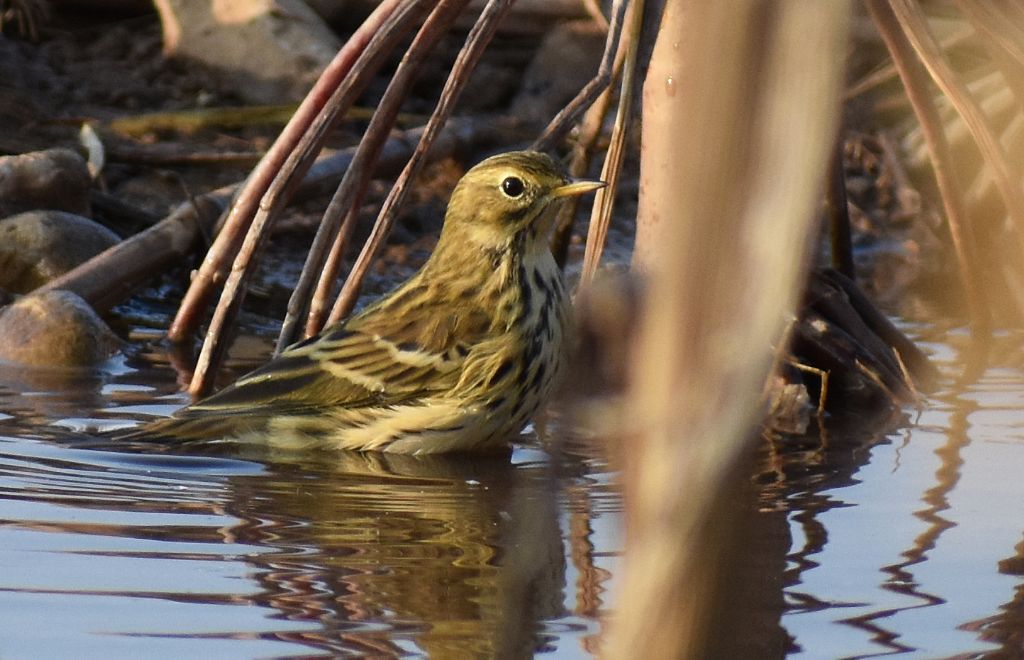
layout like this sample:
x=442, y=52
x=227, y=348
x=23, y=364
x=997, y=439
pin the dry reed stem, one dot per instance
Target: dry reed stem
x=353, y=185
x=325, y=283
x=469, y=56
x=881, y=328
x=1003, y=37
x=298, y=161
x=840, y=240
x=211, y=271
x=593, y=8
x=1006, y=176
x=601, y=213
x=915, y=82
x=888, y=71
x=567, y=117
x=740, y=109
x=582, y=153
x=166, y=153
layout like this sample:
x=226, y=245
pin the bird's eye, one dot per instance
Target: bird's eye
x=513, y=186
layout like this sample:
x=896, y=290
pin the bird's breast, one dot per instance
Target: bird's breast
x=543, y=328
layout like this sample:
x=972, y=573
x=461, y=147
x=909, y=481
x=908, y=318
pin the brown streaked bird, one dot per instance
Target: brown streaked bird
x=458, y=358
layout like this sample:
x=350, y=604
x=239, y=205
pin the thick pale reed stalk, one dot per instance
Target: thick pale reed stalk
x=740, y=112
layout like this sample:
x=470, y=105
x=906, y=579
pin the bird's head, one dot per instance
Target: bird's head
x=508, y=196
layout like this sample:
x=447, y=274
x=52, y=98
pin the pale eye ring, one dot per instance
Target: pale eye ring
x=513, y=186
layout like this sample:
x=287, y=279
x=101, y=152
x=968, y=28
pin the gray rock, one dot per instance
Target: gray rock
x=51, y=179
x=38, y=246
x=267, y=51
x=54, y=329
x=566, y=61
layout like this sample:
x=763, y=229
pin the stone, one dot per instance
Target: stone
x=266, y=51
x=568, y=58
x=345, y=14
x=38, y=246
x=54, y=329
x=51, y=179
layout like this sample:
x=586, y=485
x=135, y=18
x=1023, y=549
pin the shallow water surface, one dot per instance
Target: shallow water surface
x=116, y=553
x=913, y=544
x=906, y=541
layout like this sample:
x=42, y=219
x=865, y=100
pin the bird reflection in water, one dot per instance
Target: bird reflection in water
x=391, y=552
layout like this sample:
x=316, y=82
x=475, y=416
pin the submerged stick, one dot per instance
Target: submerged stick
x=481, y=34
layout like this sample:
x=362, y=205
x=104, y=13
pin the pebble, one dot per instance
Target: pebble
x=567, y=59
x=51, y=179
x=38, y=246
x=268, y=51
x=54, y=329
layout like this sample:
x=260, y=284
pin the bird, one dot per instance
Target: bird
x=458, y=358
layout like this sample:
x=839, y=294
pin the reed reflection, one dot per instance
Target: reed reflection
x=936, y=500
x=1007, y=627
x=797, y=475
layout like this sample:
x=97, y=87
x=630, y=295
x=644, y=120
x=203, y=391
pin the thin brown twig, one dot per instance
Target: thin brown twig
x=211, y=272
x=165, y=153
x=281, y=188
x=601, y=215
x=325, y=284
x=477, y=40
x=357, y=178
x=593, y=8
x=915, y=82
x=569, y=115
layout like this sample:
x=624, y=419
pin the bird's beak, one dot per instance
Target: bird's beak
x=574, y=188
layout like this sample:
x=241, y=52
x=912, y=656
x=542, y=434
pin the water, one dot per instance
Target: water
x=866, y=542
x=143, y=553
x=913, y=544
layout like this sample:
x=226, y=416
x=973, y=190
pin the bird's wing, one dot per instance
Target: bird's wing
x=408, y=347
x=349, y=370
x=380, y=357
x=344, y=368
